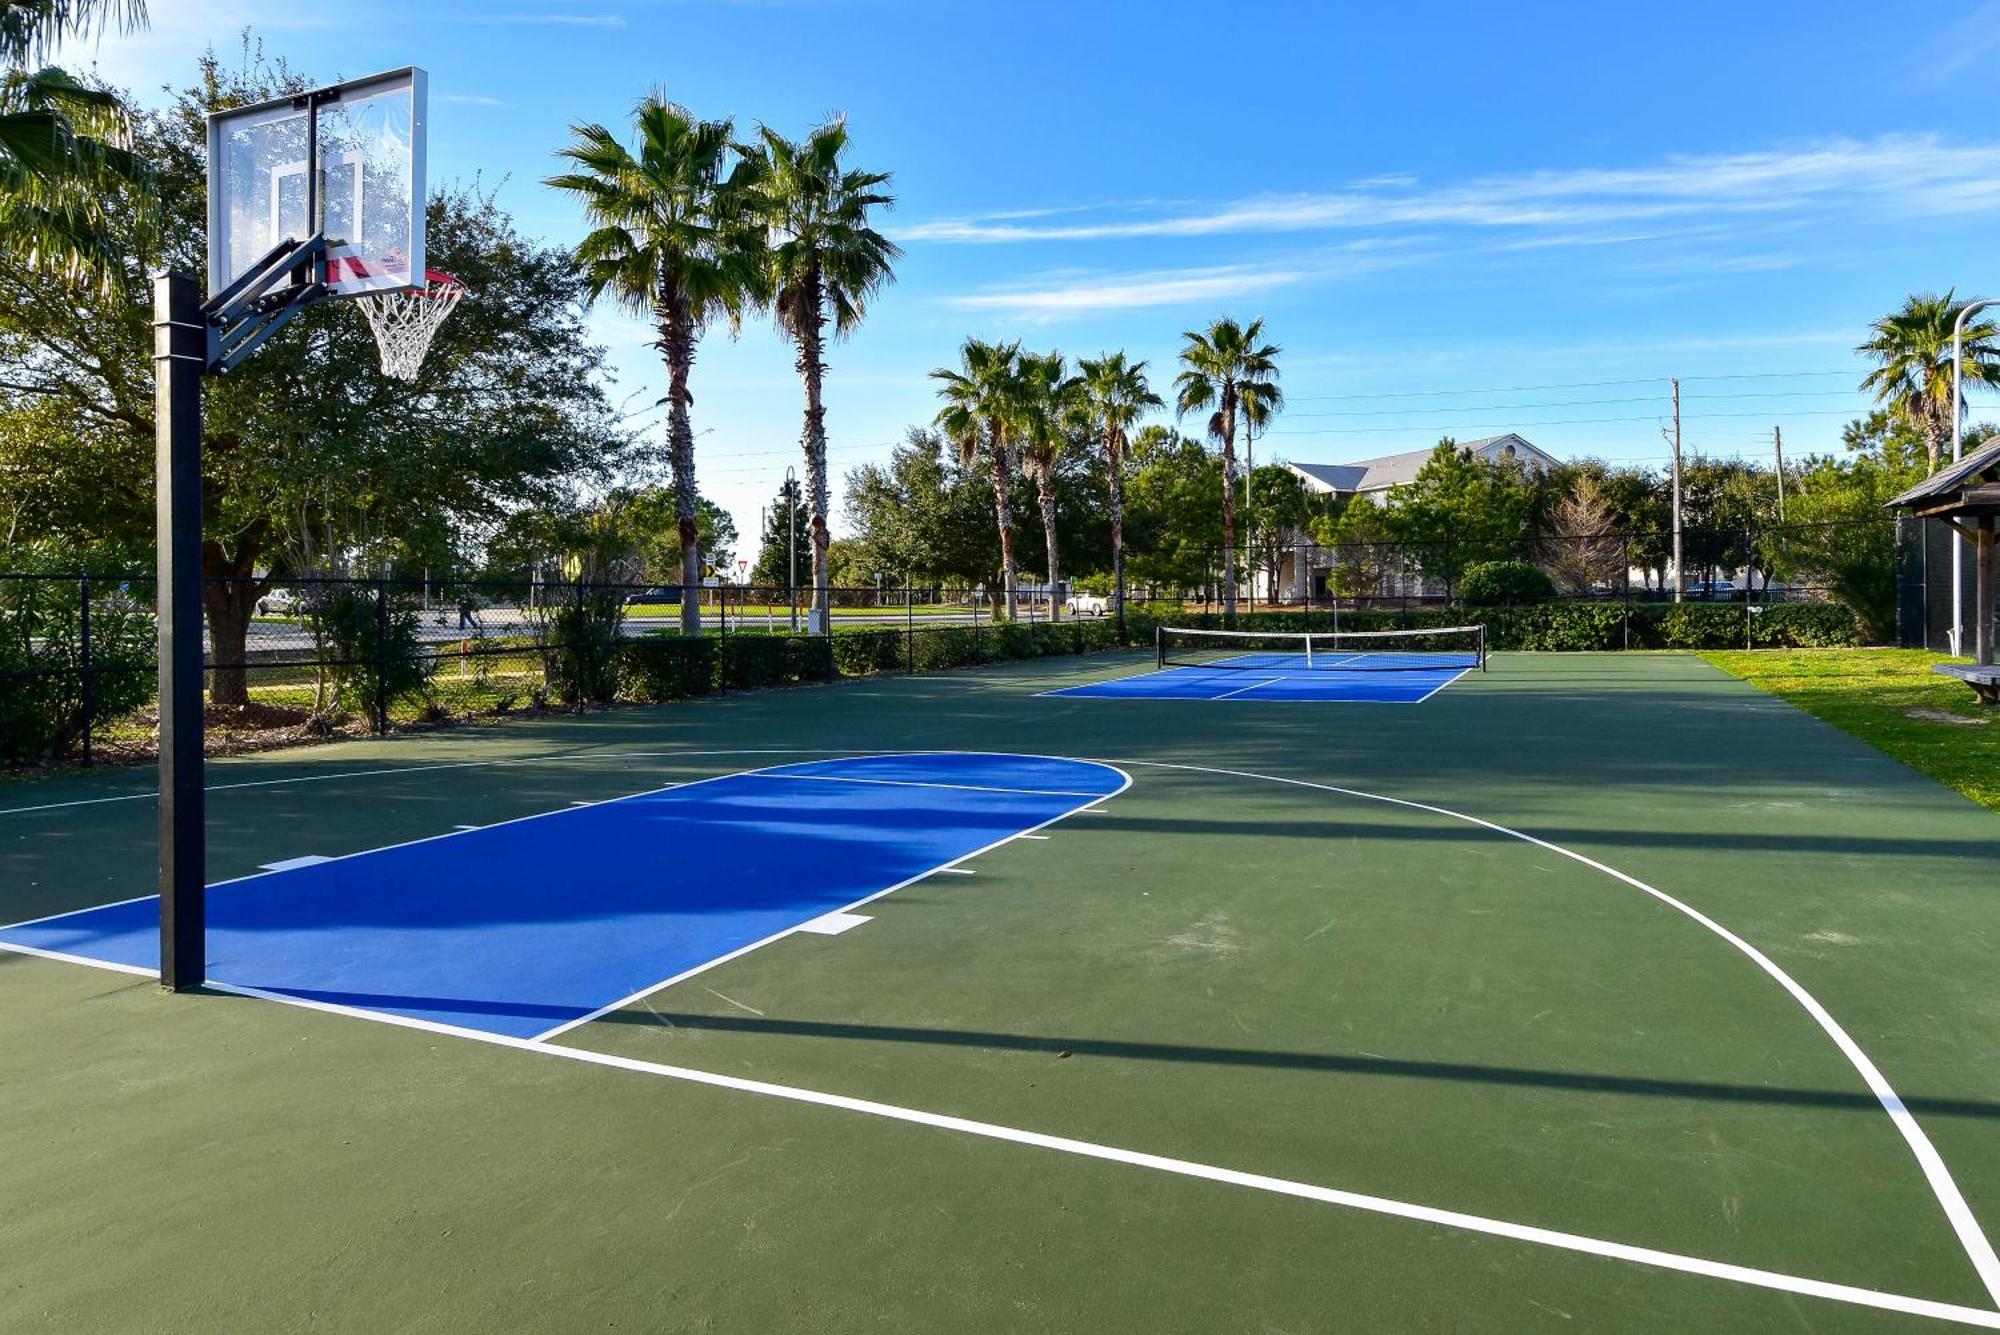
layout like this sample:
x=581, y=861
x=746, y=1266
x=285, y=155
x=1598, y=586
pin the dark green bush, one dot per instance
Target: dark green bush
x=1505, y=584
x=367, y=649
x=43, y=703
x=578, y=635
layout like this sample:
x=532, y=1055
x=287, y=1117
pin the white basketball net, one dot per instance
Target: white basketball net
x=405, y=322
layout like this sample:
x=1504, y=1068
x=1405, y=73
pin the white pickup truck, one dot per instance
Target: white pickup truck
x=1087, y=605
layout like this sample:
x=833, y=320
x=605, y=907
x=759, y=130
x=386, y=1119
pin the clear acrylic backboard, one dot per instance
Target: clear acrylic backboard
x=365, y=140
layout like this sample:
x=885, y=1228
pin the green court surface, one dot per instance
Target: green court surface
x=1549, y=1004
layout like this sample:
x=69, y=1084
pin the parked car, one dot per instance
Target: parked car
x=278, y=603
x=1719, y=590
x=1087, y=605
x=659, y=593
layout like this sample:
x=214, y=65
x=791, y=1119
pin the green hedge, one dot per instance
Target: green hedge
x=1581, y=626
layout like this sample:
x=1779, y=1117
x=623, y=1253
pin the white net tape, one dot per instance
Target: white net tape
x=405, y=322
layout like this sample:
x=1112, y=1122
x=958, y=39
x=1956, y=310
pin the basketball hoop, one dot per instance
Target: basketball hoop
x=405, y=321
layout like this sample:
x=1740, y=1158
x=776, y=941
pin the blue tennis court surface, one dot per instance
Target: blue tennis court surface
x=1271, y=678
x=523, y=927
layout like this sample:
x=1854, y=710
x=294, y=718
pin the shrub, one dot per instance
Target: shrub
x=578, y=635
x=43, y=703
x=366, y=649
x=1505, y=584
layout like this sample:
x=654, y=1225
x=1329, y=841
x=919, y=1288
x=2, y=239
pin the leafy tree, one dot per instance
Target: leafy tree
x=1838, y=533
x=1176, y=510
x=676, y=240
x=65, y=147
x=1049, y=404
x=787, y=519
x=824, y=256
x=1222, y=367
x=1366, y=554
x=312, y=458
x=981, y=415
x=922, y=514
x=1912, y=378
x=1459, y=509
x=1280, y=510
x=1115, y=395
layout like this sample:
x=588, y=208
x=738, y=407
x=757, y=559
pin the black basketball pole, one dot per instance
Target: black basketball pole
x=180, y=356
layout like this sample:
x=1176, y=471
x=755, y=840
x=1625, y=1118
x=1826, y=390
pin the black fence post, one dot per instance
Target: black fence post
x=89, y=682
x=381, y=658
x=909, y=628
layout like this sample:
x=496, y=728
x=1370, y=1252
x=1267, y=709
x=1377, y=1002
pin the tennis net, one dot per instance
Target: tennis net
x=1448, y=647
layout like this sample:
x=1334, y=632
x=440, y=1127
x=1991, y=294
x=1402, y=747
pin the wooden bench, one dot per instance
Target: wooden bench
x=1983, y=680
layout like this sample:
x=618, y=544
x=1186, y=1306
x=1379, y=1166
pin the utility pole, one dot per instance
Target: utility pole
x=1680, y=576
x=1778, y=449
x=1249, y=471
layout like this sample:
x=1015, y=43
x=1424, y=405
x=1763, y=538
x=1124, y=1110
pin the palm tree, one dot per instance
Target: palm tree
x=1049, y=404
x=1115, y=395
x=65, y=148
x=1912, y=378
x=1261, y=401
x=823, y=254
x=982, y=409
x=677, y=242
x=1219, y=368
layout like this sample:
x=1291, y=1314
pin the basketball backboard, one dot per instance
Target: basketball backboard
x=353, y=152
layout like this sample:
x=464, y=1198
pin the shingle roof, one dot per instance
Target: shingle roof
x=1951, y=477
x=1391, y=470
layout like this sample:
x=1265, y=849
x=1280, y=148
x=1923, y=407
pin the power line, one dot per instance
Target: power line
x=1578, y=403
x=1573, y=384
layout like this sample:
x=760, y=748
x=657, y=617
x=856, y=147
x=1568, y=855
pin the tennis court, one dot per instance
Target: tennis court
x=1602, y=992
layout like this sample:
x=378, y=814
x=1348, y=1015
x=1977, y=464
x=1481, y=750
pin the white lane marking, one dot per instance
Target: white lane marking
x=1244, y=690
x=913, y=783
x=685, y=974
x=307, y=860
x=1352, y=1200
x=1032, y=836
x=1441, y=685
x=40, y=953
x=1978, y=1249
x=955, y=871
x=833, y=924
x=555, y=757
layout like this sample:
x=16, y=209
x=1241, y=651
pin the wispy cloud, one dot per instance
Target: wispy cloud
x=1059, y=296
x=555, y=20
x=471, y=99
x=1898, y=173
x=1969, y=43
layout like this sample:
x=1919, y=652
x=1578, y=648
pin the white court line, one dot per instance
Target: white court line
x=958, y=871
x=1187, y=1168
x=740, y=951
x=307, y=860
x=1245, y=690
x=912, y=783
x=1801, y=1285
x=551, y=757
x=1441, y=685
x=1978, y=1250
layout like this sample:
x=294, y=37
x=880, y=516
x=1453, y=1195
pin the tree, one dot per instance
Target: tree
x=1839, y=534
x=64, y=146
x=823, y=255
x=1912, y=349
x=1582, y=548
x=1049, y=403
x=1221, y=367
x=311, y=457
x=922, y=514
x=677, y=241
x=982, y=407
x=1457, y=510
x=1115, y=395
x=1280, y=509
x=787, y=518
x=1176, y=510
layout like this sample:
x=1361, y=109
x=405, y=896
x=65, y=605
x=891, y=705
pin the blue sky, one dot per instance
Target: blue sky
x=1455, y=218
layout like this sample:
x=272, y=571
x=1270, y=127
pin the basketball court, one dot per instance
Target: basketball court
x=1601, y=992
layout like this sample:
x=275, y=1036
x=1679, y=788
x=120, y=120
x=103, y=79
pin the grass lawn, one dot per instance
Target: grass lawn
x=1874, y=694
